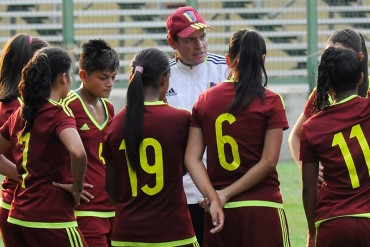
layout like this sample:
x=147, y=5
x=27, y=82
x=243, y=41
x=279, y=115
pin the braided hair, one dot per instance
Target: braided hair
x=340, y=70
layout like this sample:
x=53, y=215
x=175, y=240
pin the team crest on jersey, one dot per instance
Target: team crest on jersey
x=211, y=84
x=171, y=92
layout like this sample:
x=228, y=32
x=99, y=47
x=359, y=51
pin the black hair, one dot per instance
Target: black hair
x=17, y=51
x=339, y=69
x=352, y=39
x=38, y=78
x=98, y=55
x=247, y=50
x=153, y=65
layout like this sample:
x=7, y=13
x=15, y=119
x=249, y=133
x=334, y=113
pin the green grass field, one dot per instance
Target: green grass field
x=290, y=179
x=290, y=186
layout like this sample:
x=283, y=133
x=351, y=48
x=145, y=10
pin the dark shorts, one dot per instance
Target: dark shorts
x=249, y=226
x=197, y=218
x=96, y=231
x=344, y=232
x=36, y=237
x=4, y=228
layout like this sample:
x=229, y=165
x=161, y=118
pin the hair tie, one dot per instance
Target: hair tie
x=44, y=55
x=139, y=69
x=30, y=40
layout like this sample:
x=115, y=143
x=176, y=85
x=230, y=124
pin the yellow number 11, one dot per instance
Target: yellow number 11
x=338, y=139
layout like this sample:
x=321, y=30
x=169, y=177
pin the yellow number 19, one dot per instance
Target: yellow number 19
x=155, y=169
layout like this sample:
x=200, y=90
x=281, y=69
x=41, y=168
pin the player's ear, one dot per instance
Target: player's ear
x=228, y=60
x=361, y=79
x=171, y=42
x=83, y=75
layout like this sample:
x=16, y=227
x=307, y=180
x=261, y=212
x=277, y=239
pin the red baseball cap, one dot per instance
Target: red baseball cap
x=184, y=21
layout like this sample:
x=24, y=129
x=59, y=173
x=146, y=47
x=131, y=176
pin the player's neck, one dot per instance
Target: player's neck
x=151, y=94
x=87, y=97
x=343, y=95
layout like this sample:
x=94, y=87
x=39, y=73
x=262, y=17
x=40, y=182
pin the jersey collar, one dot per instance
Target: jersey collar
x=159, y=102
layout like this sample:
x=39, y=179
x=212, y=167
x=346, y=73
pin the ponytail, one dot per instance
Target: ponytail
x=148, y=67
x=134, y=118
x=247, y=50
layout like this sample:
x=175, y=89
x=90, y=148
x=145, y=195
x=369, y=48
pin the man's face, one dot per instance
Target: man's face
x=192, y=50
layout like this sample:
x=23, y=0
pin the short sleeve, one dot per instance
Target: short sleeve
x=277, y=118
x=4, y=130
x=195, y=120
x=309, y=104
x=64, y=119
x=306, y=151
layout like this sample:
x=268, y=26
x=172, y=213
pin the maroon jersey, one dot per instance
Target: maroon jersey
x=92, y=134
x=8, y=185
x=41, y=158
x=338, y=137
x=151, y=204
x=308, y=109
x=235, y=141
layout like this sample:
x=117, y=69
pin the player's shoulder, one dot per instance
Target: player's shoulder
x=274, y=97
x=71, y=97
x=178, y=110
x=60, y=108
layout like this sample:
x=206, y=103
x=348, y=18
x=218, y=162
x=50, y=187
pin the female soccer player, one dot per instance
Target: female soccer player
x=337, y=137
x=47, y=148
x=98, y=65
x=144, y=153
x=17, y=51
x=241, y=123
x=348, y=38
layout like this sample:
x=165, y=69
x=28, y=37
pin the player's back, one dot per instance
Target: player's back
x=338, y=137
x=151, y=200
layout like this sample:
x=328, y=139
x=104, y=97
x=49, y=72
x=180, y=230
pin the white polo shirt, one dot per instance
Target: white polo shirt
x=186, y=84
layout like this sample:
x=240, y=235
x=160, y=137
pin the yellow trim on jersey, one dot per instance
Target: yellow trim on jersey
x=344, y=100
x=20, y=100
x=159, y=102
x=74, y=237
x=79, y=213
x=74, y=95
x=192, y=240
x=364, y=215
x=5, y=205
x=47, y=225
x=255, y=203
x=64, y=107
